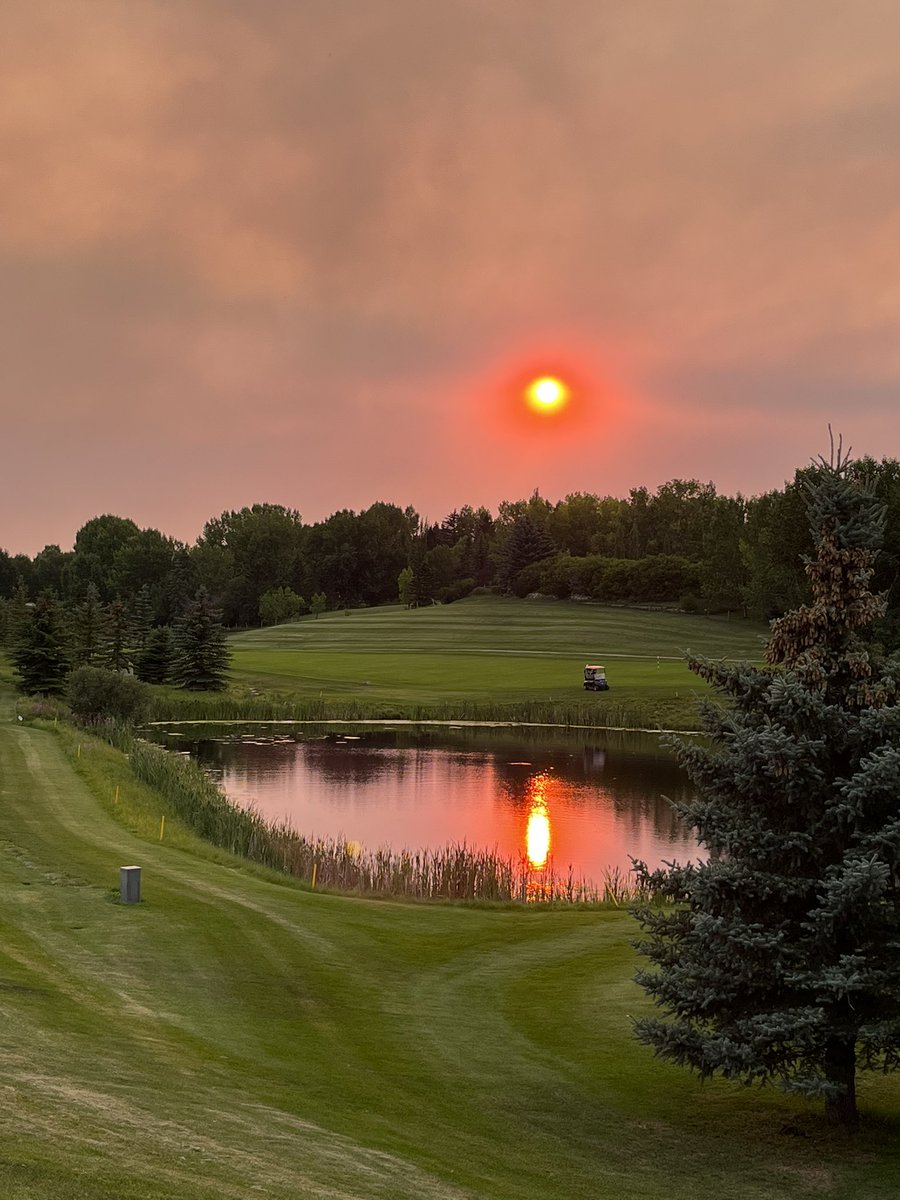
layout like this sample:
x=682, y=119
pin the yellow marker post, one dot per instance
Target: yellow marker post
x=116, y=797
x=162, y=826
x=78, y=755
x=315, y=865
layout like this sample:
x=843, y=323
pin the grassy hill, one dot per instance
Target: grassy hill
x=235, y=1036
x=495, y=653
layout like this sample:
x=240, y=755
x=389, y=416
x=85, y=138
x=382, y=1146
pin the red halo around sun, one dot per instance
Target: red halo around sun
x=547, y=399
x=549, y=395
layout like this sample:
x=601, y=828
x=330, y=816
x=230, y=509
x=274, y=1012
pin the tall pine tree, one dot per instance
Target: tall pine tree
x=780, y=960
x=40, y=652
x=142, y=614
x=89, y=629
x=118, y=636
x=201, y=654
x=154, y=662
x=527, y=543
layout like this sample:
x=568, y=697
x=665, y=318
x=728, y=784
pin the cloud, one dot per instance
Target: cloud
x=348, y=220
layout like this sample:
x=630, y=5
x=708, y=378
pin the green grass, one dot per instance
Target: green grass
x=483, y=658
x=236, y=1036
x=503, y=625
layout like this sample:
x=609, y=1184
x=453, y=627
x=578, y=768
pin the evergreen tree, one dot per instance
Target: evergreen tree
x=89, y=629
x=18, y=614
x=9, y=578
x=422, y=582
x=118, y=636
x=781, y=960
x=180, y=585
x=527, y=544
x=153, y=663
x=201, y=654
x=143, y=612
x=40, y=654
x=479, y=563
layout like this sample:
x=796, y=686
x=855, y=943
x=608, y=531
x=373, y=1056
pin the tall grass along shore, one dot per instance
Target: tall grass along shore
x=456, y=872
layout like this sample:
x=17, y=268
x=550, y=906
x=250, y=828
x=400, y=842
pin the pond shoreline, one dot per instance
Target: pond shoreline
x=573, y=803
x=406, y=721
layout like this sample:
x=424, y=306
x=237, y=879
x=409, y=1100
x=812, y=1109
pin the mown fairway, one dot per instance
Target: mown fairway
x=492, y=650
x=234, y=1036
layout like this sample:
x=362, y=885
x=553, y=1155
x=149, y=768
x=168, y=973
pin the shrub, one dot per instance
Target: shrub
x=527, y=580
x=663, y=578
x=456, y=591
x=556, y=576
x=96, y=695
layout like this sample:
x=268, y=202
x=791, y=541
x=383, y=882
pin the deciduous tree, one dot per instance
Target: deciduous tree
x=406, y=587
x=279, y=605
x=318, y=604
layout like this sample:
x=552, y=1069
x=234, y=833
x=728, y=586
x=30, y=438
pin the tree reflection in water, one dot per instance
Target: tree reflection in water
x=546, y=799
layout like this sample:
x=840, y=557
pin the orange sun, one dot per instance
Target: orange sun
x=547, y=394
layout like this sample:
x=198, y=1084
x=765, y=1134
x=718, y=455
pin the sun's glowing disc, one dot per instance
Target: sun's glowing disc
x=546, y=394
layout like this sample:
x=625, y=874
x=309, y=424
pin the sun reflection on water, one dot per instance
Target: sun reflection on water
x=537, y=831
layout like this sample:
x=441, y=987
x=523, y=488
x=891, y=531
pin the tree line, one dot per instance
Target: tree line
x=683, y=544
x=90, y=649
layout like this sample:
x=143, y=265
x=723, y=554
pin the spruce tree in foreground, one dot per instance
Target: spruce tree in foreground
x=201, y=655
x=781, y=960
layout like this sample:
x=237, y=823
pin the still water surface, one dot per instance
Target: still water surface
x=553, y=801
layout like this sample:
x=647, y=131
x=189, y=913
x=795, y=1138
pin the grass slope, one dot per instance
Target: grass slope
x=235, y=1036
x=494, y=651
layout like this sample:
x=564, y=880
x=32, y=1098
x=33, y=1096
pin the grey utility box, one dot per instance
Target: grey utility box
x=130, y=885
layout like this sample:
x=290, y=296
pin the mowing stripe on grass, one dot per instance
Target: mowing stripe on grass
x=233, y=1036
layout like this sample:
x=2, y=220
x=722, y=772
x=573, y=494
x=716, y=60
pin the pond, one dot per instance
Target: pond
x=548, y=800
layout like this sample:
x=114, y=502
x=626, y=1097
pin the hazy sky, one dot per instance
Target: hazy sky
x=308, y=251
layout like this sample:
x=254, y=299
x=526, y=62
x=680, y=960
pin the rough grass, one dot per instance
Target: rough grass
x=485, y=658
x=235, y=1036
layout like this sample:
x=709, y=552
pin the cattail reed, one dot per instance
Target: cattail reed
x=602, y=714
x=454, y=872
